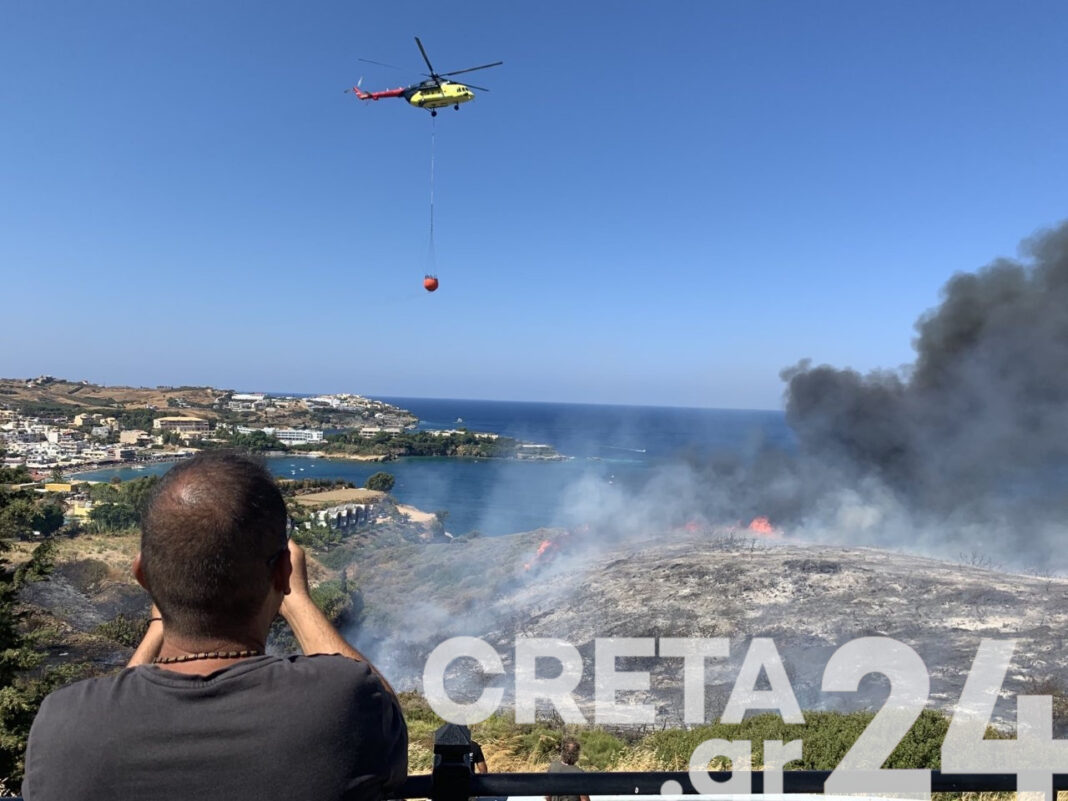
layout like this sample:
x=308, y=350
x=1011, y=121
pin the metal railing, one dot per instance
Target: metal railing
x=452, y=788
x=454, y=780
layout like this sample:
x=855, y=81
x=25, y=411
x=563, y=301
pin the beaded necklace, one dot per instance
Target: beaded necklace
x=171, y=660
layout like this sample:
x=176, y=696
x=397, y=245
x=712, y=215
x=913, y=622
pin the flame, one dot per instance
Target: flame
x=545, y=547
x=762, y=527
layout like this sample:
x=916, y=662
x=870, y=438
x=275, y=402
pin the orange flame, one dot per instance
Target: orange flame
x=763, y=527
x=545, y=546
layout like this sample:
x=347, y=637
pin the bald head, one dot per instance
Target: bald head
x=207, y=537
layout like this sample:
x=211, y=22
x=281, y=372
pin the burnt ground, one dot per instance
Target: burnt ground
x=810, y=599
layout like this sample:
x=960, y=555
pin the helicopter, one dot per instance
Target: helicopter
x=432, y=94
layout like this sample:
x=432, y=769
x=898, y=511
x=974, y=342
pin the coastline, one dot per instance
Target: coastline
x=351, y=457
x=90, y=467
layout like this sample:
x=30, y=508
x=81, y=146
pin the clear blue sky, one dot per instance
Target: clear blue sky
x=657, y=203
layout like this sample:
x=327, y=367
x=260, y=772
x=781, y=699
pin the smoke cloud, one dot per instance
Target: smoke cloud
x=963, y=453
x=970, y=444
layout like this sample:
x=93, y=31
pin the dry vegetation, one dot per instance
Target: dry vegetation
x=92, y=396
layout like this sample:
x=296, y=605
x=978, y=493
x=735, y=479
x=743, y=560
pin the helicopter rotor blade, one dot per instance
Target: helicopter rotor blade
x=429, y=66
x=380, y=64
x=480, y=88
x=472, y=69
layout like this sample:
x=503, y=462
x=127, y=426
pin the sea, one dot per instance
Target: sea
x=615, y=445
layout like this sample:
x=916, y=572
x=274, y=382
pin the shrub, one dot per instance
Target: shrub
x=600, y=749
x=123, y=630
x=383, y=482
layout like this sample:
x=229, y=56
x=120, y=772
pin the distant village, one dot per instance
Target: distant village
x=46, y=442
x=55, y=427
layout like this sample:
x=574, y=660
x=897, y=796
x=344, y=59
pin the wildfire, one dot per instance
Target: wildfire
x=546, y=547
x=549, y=549
x=762, y=527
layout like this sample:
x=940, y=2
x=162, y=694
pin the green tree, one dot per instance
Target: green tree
x=38, y=566
x=135, y=493
x=256, y=442
x=140, y=419
x=22, y=684
x=383, y=482
x=103, y=493
x=48, y=518
x=17, y=518
x=15, y=475
x=114, y=517
x=21, y=516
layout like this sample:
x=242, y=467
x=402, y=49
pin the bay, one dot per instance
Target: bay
x=620, y=445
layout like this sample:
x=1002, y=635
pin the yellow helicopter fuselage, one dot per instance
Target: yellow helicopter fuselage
x=434, y=96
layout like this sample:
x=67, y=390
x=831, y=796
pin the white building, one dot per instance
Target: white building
x=186, y=426
x=246, y=402
x=344, y=516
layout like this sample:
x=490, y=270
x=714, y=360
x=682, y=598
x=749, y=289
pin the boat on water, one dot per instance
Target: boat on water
x=459, y=419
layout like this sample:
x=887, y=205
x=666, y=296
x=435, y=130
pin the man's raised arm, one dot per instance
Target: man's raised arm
x=148, y=648
x=313, y=630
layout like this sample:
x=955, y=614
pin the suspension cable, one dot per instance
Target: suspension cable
x=431, y=256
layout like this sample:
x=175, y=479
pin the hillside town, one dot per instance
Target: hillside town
x=47, y=436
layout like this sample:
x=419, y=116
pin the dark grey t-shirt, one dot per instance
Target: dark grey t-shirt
x=319, y=727
x=556, y=766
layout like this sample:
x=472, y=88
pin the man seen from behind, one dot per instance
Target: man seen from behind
x=569, y=754
x=201, y=711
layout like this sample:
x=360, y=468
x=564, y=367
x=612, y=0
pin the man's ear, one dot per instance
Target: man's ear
x=139, y=571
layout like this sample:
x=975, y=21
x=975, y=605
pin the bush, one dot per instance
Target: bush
x=383, y=482
x=600, y=749
x=114, y=517
x=334, y=599
x=123, y=630
x=319, y=537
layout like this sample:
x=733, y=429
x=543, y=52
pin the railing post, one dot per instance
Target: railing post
x=452, y=764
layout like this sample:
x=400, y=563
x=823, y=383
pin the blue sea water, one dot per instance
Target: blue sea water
x=623, y=445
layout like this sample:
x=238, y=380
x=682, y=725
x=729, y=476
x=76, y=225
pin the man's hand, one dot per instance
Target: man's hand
x=150, y=644
x=315, y=633
x=298, y=580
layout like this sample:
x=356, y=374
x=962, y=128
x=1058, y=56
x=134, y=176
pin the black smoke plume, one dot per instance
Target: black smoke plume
x=972, y=438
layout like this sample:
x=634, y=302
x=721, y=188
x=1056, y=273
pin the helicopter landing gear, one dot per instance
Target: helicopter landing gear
x=433, y=113
x=456, y=107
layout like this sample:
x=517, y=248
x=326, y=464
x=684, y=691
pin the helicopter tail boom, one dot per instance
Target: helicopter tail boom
x=399, y=92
